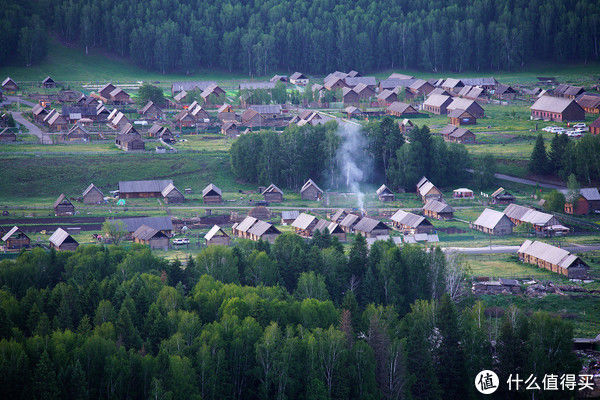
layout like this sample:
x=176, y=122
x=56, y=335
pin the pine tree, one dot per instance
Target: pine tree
x=556, y=153
x=538, y=162
x=452, y=370
x=45, y=384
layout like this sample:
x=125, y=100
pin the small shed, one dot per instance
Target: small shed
x=217, y=236
x=92, y=195
x=128, y=142
x=385, y=194
x=172, y=195
x=273, y=194
x=62, y=206
x=48, y=83
x=501, y=196
x=212, y=195
x=8, y=85
x=62, y=240
x=7, y=136
x=150, y=236
x=310, y=191
x=15, y=239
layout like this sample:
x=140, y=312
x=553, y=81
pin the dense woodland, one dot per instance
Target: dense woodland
x=294, y=320
x=299, y=153
x=313, y=37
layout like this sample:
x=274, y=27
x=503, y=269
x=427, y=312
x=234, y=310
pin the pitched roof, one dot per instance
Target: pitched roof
x=190, y=85
x=385, y=94
x=366, y=80
x=396, y=75
x=458, y=112
x=393, y=83
x=383, y=189
x=486, y=81
x=426, y=188
x=168, y=189
x=448, y=129
x=452, y=83
x=62, y=199
x=11, y=232
x=272, y=189
x=266, y=108
x=246, y=224
x=332, y=227
x=60, y=236
x=460, y=132
x=462, y=104
x=153, y=186
x=590, y=194
x=349, y=220
x=552, y=254
x=489, y=218
x=298, y=75
x=367, y=224
x=180, y=96
x=409, y=219
x=257, y=85
x=436, y=100
x=289, y=214
x=145, y=232
x=400, y=107
x=211, y=187
x=438, y=207
x=309, y=183
x=261, y=227
x=303, y=221
x=526, y=214
x=90, y=188
x=552, y=104
x=158, y=223
x=213, y=231
x=148, y=105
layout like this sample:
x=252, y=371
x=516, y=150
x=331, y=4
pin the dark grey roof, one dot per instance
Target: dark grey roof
x=366, y=80
x=437, y=206
x=211, y=187
x=154, y=186
x=158, y=223
x=190, y=85
x=369, y=224
x=257, y=85
x=145, y=232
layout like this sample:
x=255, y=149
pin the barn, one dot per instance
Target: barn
x=142, y=189
x=62, y=206
x=212, y=194
x=62, y=240
x=493, y=222
x=151, y=237
x=217, y=236
x=92, y=195
x=557, y=109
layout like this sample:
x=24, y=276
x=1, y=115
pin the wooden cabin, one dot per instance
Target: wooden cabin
x=62, y=240
x=595, y=127
x=501, y=196
x=399, y=109
x=589, y=102
x=557, y=109
x=298, y=78
x=230, y=129
x=143, y=189
x=348, y=222
x=438, y=210
x=437, y=104
x=541, y=222
x=213, y=94
x=273, y=194
x=385, y=194
x=371, y=228
x=151, y=111
x=471, y=106
x=15, y=239
x=92, y=195
x=130, y=142
x=333, y=228
x=305, y=224
x=460, y=117
x=493, y=222
x=587, y=201
x=553, y=259
x=152, y=237
x=408, y=222
x=289, y=216
x=7, y=136
x=48, y=83
x=172, y=195
x=310, y=191
x=212, y=194
x=9, y=86
x=163, y=224
x=255, y=229
x=62, y=206
x=427, y=190
x=217, y=236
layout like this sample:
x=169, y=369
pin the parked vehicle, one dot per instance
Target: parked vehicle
x=580, y=125
x=180, y=241
x=549, y=128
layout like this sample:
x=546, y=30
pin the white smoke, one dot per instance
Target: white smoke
x=353, y=159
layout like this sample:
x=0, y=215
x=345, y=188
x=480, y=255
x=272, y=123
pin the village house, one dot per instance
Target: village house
x=62, y=206
x=353, y=112
x=405, y=125
x=55, y=121
x=180, y=97
x=257, y=85
x=334, y=83
x=493, y=222
x=142, y=189
x=310, y=191
x=408, y=222
x=568, y=91
x=106, y=90
x=273, y=194
x=61, y=240
x=15, y=239
x=348, y=222
x=305, y=224
x=130, y=142
x=370, y=228
x=338, y=215
x=427, y=190
x=289, y=216
x=254, y=229
x=387, y=97
x=119, y=96
x=557, y=109
x=212, y=194
x=92, y=195
x=260, y=212
x=397, y=75
x=76, y=112
x=587, y=201
x=333, y=228
x=452, y=85
x=451, y=133
x=589, y=102
x=213, y=94
x=505, y=92
x=398, y=109
x=438, y=210
x=395, y=84
x=468, y=105
x=184, y=119
x=189, y=86
x=172, y=195
x=501, y=196
x=217, y=236
x=48, y=83
x=279, y=78
x=385, y=194
x=163, y=224
x=9, y=86
x=364, y=92
x=458, y=117
x=349, y=96
x=595, y=127
x=437, y=104
x=298, y=78
x=77, y=133
x=156, y=239
x=151, y=111
x=420, y=87
x=39, y=112
x=7, y=136
x=553, y=259
x=540, y=221
x=368, y=81
x=487, y=83
x=230, y=129
x=117, y=120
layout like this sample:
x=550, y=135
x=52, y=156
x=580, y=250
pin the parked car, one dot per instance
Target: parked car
x=180, y=241
x=574, y=134
x=580, y=125
x=559, y=130
x=549, y=128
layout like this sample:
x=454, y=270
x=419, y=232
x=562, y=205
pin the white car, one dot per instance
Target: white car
x=559, y=130
x=549, y=128
x=574, y=134
x=580, y=125
x=179, y=241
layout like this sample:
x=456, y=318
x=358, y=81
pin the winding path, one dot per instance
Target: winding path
x=34, y=130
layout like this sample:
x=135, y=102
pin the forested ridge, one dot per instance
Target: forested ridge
x=294, y=320
x=315, y=36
